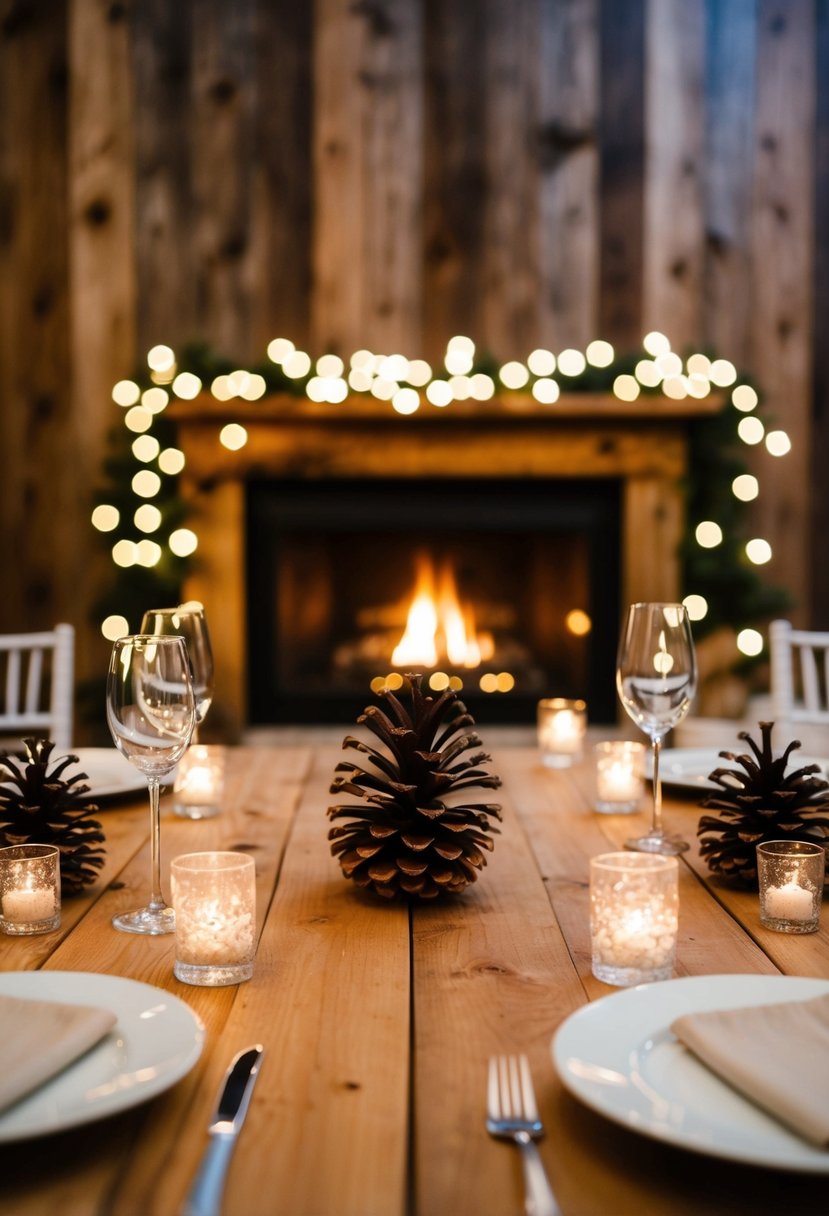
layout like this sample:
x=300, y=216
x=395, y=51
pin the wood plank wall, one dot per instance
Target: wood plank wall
x=388, y=174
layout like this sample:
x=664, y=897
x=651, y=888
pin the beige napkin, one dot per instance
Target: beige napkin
x=39, y=1038
x=776, y=1055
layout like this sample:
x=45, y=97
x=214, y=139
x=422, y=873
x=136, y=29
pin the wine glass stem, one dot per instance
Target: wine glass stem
x=156, y=898
x=656, y=827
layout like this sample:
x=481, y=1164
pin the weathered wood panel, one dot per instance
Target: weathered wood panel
x=568, y=145
x=674, y=247
x=367, y=176
x=820, y=347
x=621, y=173
x=782, y=283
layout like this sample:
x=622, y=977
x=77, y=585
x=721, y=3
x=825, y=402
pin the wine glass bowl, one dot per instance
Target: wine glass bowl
x=189, y=622
x=656, y=677
x=151, y=717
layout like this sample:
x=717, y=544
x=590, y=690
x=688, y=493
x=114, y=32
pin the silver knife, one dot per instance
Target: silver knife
x=205, y=1195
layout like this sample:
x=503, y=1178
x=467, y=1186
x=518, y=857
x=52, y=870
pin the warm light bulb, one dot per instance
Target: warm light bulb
x=254, y=388
x=542, y=362
x=698, y=365
x=778, y=443
x=138, y=419
x=461, y=387
x=155, y=400
x=362, y=360
x=105, y=518
x=648, y=373
x=115, y=627
x=147, y=553
x=625, y=388
x=171, y=461
x=160, y=358
x=750, y=642
x=359, y=380
x=222, y=389
x=330, y=365
x=279, y=349
x=124, y=554
x=458, y=362
x=722, y=373
x=145, y=448
x=571, y=362
x=296, y=365
x=146, y=483
x=439, y=393
x=656, y=343
x=708, y=534
x=186, y=385
x=233, y=436
x=183, y=542
x=751, y=430
x=461, y=343
x=758, y=551
x=513, y=375
x=746, y=487
x=406, y=401
x=546, y=391
x=599, y=353
x=147, y=518
x=126, y=392
x=481, y=386
x=578, y=622
x=669, y=364
x=744, y=398
x=696, y=606
x=419, y=373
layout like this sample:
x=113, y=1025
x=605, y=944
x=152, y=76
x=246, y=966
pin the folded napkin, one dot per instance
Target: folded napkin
x=776, y=1055
x=39, y=1038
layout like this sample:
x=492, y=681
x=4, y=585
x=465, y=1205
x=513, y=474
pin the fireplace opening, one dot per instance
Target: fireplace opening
x=506, y=589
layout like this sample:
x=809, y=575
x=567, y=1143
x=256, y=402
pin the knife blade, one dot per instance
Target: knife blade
x=205, y=1195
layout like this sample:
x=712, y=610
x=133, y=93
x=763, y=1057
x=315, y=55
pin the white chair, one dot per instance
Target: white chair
x=799, y=674
x=39, y=684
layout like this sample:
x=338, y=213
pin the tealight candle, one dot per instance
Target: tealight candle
x=199, y=783
x=561, y=727
x=214, y=896
x=619, y=776
x=790, y=875
x=29, y=889
x=634, y=905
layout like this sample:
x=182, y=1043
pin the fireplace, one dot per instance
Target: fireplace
x=506, y=588
x=579, y=507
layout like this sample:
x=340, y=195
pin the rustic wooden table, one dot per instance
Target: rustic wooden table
x=378, y=1021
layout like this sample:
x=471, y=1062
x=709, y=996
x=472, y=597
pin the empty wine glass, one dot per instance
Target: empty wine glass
x=656, y=677
x=189, y=622
x=151, y=716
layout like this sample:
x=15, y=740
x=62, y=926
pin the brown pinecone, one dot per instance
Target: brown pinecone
x=761, y=802
x=413, y=836
x=38, y=806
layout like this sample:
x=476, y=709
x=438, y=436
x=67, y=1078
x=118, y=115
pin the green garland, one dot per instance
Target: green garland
x=733, y=587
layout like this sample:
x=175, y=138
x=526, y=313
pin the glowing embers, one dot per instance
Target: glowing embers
x=440, y=628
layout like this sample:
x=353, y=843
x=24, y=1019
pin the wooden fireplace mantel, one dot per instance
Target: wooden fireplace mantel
x=643, y=444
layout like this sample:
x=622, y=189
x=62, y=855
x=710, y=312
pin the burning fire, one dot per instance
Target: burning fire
x=439, y=628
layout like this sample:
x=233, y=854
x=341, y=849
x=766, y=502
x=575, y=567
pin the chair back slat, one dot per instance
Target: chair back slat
x=799, y=674
x=39, y=684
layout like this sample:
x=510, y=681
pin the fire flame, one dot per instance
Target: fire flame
x=438, y=626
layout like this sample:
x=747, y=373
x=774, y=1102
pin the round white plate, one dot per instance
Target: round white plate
x=155, y=1042
x=620, y=1058
x=689, y=767
x=109, y=773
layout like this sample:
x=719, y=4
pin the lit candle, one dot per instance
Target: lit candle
x=790, y=875
x=29, y=889
x=199, y=784
x=790, y=902
x=561, y=727
x=633, y=917
x=26, y=904
x=214, y=896
x=619, y=767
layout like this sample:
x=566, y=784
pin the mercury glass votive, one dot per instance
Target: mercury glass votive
x=790, y=875
x=634, y=916
x=29, y=889
x=620, y=776
x=561, y=727
x=200, y=781
x=214, y=896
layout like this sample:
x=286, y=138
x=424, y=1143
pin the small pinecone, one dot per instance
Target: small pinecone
x=41, y=807
x=760, y=803
x=413, y=836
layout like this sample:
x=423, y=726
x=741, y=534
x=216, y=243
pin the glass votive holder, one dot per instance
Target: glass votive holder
x=561, y=727
x=790, y=874
x=634, y=916
x=620, y=776
x=29, y=889
x=214, y=897
x=200, y=782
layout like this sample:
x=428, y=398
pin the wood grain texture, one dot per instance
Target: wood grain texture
x=820, y=400
x=674, y=249
x=569, y=163
x=783, y=242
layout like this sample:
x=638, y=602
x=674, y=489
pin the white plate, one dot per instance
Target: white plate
x=155, y=1042
x=619, y=1057
x=109, y=773
x=690, y=767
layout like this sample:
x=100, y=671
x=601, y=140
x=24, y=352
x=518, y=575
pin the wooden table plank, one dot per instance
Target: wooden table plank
x=492, y=974
x=329, y=1000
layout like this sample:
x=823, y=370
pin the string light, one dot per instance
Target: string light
x=396, y=379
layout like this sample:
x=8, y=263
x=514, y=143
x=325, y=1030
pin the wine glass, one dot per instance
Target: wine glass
x=656, y=677
x=151, y=716
x=189, y=622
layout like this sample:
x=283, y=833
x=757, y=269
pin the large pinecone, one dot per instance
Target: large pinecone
x=761, y=802
x=413, y=836
x=39, y=806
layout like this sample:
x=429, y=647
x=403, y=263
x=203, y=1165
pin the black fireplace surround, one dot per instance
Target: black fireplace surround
x=330, y=565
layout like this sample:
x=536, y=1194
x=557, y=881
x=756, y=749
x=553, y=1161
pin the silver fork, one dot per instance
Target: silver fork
x=513, y=1115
